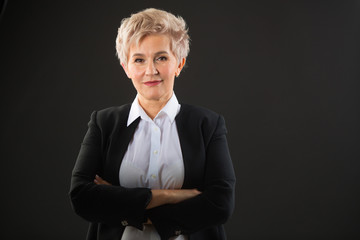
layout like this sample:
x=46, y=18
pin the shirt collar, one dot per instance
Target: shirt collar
x=171, y=109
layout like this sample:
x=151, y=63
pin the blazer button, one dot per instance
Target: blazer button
x=177, y=232
x=124, y=223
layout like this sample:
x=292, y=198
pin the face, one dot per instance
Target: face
x=152, y=67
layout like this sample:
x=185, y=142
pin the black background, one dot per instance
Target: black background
x=285, y=75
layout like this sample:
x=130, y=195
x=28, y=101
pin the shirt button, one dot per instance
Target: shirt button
x=153, y=176
x=124, y=223
x=155, y=152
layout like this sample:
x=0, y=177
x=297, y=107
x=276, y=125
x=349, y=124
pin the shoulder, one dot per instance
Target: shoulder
x=199, y=116
x=114, y=111
x=201, y=122
x=197, y=111
x=112, y=115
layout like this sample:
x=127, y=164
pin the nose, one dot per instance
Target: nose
x=151, y=69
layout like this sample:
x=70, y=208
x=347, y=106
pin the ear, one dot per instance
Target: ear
x=180, y=67
x=126, y=70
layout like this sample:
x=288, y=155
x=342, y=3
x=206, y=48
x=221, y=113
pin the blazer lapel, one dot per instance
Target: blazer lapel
x=119, y=141
x=189, y=147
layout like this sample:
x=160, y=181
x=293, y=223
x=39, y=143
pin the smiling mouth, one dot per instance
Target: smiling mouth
x=152, y=83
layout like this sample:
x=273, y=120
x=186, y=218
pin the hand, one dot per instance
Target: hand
x=170, y=196
x=176, y=196
x=99, y=181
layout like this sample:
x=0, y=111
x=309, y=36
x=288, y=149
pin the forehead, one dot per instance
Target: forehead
x=151, y=44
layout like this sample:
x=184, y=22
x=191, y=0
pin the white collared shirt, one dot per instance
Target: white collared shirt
x=153, y=159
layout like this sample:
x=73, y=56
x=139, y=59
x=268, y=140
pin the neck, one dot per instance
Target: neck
x=152, y=107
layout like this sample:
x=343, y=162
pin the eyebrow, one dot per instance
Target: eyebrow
x=140, y=54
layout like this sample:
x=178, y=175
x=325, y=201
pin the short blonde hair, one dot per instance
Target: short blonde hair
x=152, y=21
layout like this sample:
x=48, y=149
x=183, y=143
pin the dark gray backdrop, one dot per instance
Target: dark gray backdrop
x=285, y=74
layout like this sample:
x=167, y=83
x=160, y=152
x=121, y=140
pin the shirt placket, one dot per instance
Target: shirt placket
x=153, y=174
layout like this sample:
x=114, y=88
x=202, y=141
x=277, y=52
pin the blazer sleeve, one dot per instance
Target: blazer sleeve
x=216, y=202
x=114, y=205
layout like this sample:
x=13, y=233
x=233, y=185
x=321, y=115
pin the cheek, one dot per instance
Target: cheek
x=137, y=85
x=169, y=71
x=136, y=73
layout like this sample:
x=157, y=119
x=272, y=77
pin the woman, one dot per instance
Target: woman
x=154, y=168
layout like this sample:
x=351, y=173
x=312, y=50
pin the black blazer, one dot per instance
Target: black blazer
x=208, y=167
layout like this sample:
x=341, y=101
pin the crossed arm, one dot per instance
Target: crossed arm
x=161, y=196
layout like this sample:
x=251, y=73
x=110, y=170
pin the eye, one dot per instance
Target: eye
x=138, y=60
x=162, y=58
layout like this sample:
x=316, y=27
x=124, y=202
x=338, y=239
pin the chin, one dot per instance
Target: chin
x=154, y=96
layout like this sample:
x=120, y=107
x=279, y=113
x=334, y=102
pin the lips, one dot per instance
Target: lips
x=152, y=83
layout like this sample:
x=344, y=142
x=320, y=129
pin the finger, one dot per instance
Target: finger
x=98, y=180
